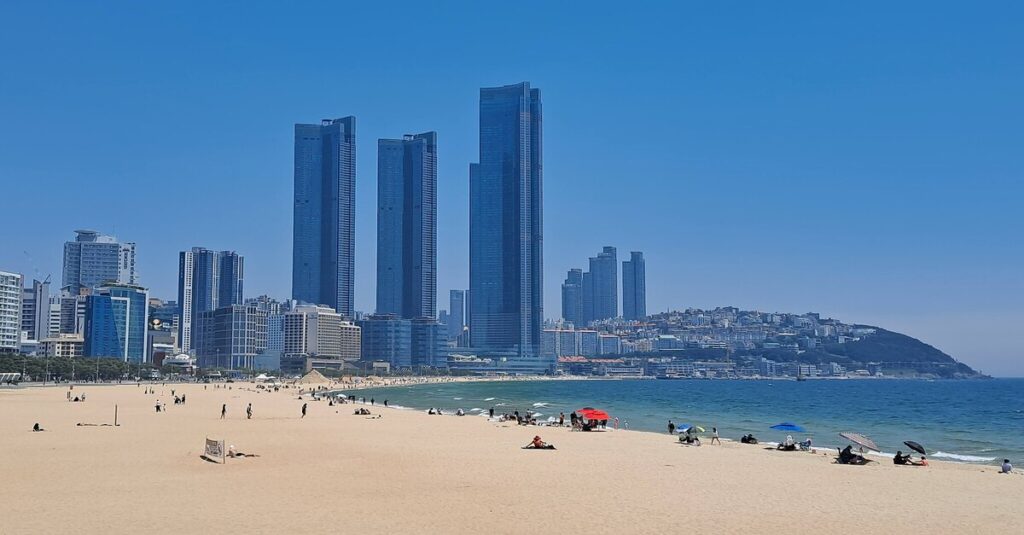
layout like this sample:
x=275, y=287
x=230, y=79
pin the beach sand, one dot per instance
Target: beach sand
x=408, y=472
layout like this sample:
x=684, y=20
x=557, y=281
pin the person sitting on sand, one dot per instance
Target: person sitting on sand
x=539, y=444
x=1006, y=468
x=36, y=428
x=922, y=462
x=901, y=459
x=846, y=456
x=787, y=445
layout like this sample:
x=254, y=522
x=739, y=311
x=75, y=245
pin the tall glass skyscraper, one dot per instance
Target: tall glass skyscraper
x=456, y=313
x=323, y=242
x=506, y=223
x=407, y=226
x=207, y=280
x=572, y=298
x=604, y=273
x=634, y=287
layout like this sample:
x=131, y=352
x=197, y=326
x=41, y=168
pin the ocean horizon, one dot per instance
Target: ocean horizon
x=971, y=421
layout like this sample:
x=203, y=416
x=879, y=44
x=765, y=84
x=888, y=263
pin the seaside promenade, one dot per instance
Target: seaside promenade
x=407, y=472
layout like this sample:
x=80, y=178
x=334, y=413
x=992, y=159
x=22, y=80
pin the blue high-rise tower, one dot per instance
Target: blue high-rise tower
x=323, y=243
x=506, y=224
x=634, y=287
x=407, y=226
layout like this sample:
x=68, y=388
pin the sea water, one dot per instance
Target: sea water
x=978, y=421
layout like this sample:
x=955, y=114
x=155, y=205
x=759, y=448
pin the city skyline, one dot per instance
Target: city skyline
x=886, y=187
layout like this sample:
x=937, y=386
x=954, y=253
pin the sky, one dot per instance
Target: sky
x=861, y=160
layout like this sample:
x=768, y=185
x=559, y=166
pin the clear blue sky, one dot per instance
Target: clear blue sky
x=860, y=159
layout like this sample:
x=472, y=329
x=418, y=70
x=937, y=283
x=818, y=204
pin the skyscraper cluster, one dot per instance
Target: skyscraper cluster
x=506, y=311
x=99, y=311
x=500, y=315
x=207, y=280
x=593, y=295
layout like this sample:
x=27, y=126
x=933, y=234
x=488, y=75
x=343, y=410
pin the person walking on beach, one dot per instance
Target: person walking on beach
x=385, y=403
x=158, y=405
x=248, y=412
x=671, y=428
x=223, y=411
x=491, y=412
x=372, y=401
x=714, y=436
x=561, y=419
x=303, y=410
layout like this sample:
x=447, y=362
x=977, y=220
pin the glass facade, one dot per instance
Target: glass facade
x=387, y=337
x=634, y=287
x=604, y=273
x=207, y=280
x=456, y=313
x=572, y=297
x=407, y=226
x=323, y=243
x=116, y=319
x=506, y=223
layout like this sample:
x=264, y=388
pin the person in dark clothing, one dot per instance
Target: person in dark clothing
x=303, y=410
x=900, y=458
x=671, y=428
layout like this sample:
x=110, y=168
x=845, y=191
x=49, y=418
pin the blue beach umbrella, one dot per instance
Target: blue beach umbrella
x=787, y=426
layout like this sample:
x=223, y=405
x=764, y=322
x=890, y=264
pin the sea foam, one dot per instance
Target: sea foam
x=964, y=458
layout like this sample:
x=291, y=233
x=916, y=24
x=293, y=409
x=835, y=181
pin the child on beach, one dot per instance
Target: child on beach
x=1006, y=468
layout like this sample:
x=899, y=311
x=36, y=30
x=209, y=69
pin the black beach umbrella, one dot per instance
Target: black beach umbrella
x=915, y=446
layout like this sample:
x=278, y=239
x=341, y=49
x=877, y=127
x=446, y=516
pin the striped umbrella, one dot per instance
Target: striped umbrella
x=860, y=440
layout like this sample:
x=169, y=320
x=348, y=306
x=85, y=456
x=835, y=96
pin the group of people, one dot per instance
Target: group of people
x=790, y=444
x=906, y=459
x=579, y=423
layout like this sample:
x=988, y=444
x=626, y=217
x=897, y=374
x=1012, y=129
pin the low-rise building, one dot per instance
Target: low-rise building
x=62, y=345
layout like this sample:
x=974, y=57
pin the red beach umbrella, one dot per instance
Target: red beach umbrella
x=593, y=414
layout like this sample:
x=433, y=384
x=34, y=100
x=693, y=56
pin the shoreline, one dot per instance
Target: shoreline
x=331, y=468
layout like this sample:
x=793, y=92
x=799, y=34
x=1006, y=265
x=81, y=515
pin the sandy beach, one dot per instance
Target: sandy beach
x=407, y=472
